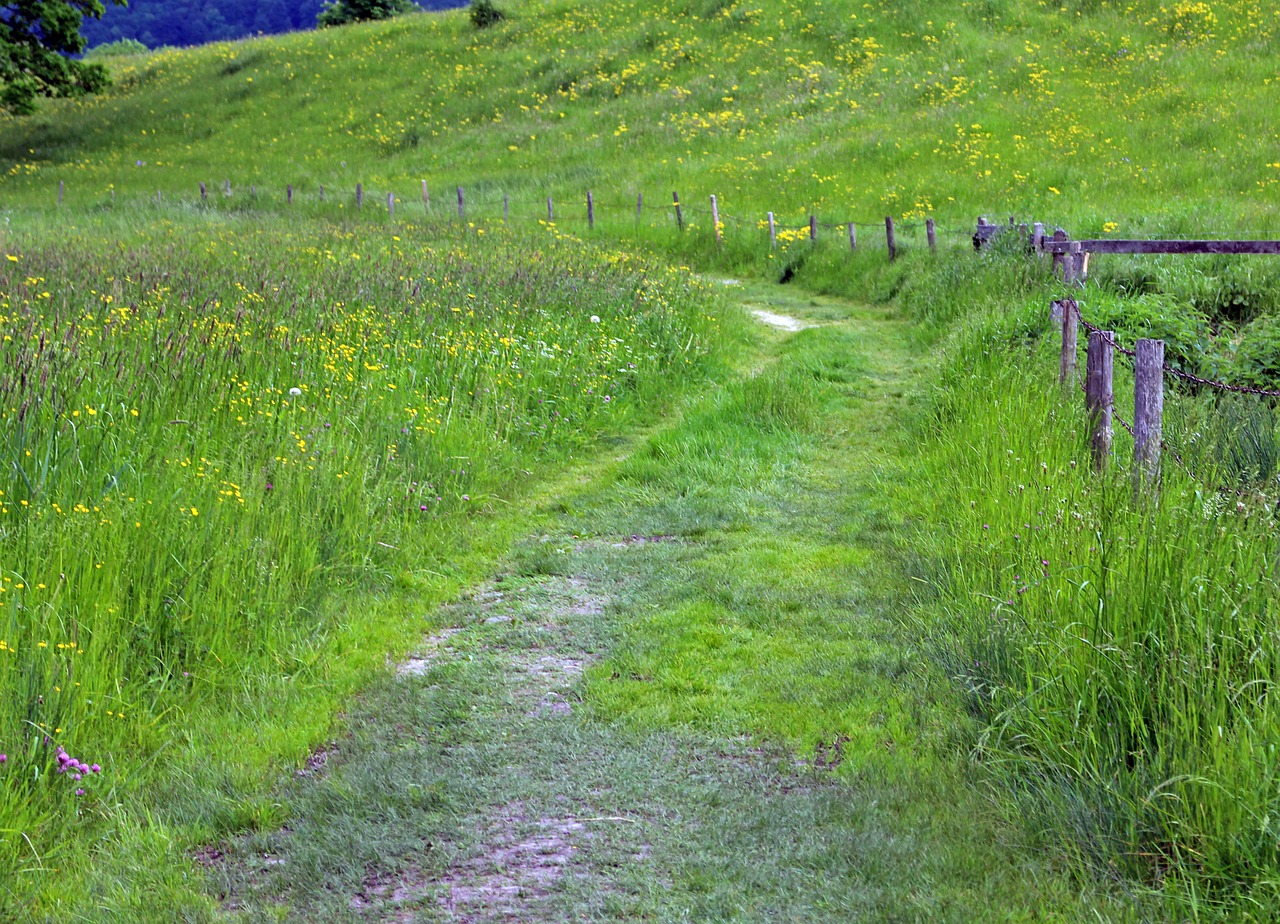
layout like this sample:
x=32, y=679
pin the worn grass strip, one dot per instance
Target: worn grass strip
x=690, y=699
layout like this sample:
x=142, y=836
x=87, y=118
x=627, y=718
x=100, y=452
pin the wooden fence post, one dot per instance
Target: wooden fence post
x=204, y=193
x=462, y=210
x=226, y=188
x=1148, y=406
x=1098, y=395
x=59, y=193
x=931, y=234
x=1059, y=259
x=1037, y=236
x=253, y=190
x=1072, y=267
x=159, y=198
x=853, y=237
x=551, y=210
x=715, y=218
x=359, y=195
x=506, y=209
x=888, y=233
x=813, y=229
x=1070, y=334
x=639, y=204
x=675, y=197
x=773, y=233
x=591, y=212
x=426, y=198
x=288, y=192
x=391, y=205
x=321, y=192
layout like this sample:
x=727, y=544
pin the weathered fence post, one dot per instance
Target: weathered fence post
x=1070, y=332
x=159, y=198
x=1059, y=260
x=773, y=233
x=321, y=192
x=226, y=188
x=675, y=197
x=1037, y=236
x=813, y=229
x=715, y=218
x=462, y=209
x=853, y=237
x=391, y=205
x=288, y=192
x=591, y=212
x=359, y=195
x=59, y=192
x=426, y=198
x=888, y=233
x=506, y=209
x=1073, y=266
x=551, y=210
x=1098, y=394
x=639, y=204
x=253, y=190
x=204, y=193
x=931, y=234
x=1148, y=406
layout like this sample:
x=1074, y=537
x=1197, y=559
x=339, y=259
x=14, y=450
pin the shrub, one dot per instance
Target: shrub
x=118, y=49
x=484, y=14
x=341, y=12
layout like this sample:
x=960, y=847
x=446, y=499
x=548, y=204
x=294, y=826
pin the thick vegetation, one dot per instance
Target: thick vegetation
x=220, y=437
x=1118, y=652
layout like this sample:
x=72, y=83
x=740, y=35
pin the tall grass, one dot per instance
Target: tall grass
x=1119, y=648
x=211, y=430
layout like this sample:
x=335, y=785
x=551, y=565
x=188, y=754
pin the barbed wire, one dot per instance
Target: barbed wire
x=1179, y=373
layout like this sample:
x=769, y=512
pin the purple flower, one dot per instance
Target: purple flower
x=79, y=792
x=3, y=758
x=422, y=507
x=466, y=497
x=95, y=769
x=269, y=486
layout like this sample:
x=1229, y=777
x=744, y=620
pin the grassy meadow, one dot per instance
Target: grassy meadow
x=230, y=424
x=225, y=439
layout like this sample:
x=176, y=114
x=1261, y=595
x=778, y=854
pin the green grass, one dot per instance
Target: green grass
x=225, y=440
x=1136, y=119
x=1083, y=112
x=737, y=610
x=1118, y=649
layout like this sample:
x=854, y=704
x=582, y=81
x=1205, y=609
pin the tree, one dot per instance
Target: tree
x=37, y=40
x=340, y=12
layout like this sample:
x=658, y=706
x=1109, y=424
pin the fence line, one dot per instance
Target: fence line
x=1150, y=369
x=679, y=209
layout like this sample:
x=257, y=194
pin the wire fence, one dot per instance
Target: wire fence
x=1071, y=308
x=489, y=204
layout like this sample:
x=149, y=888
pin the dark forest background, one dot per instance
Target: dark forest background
x=194, y=22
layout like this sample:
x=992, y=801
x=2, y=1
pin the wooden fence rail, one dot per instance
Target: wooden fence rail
x=1172, y=247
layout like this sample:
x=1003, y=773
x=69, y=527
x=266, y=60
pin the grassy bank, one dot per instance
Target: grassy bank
x=228, y=445
x=1119, y=648
x=1123, y=686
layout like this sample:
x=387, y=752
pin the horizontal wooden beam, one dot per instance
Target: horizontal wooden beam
x=1186, y=247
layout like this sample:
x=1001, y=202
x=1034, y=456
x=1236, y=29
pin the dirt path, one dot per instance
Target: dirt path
x=692, y=701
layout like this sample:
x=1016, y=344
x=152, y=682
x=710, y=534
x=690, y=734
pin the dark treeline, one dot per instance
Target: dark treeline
x=194, y=22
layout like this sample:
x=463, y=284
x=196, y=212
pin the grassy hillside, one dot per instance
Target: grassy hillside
x=1107, y=118
x=1089, y=113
